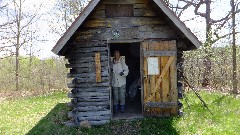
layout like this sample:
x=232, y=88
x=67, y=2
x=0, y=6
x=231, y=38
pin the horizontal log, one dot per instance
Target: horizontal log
x=163, y=115
x=98, y=14
x=86, y=70
x=90, y=99
x=102, y=122
x=72, y=124
x=86, y=65
x=79, y=55
x=125, y=40
x=88, y=43
x=142, y=32
x=180, y=95
x=90, y=89
x=99, y=94
x=94, y=118
x=145, y=12
x=84, y=104
x=138, y=11
x=141, y=6
x=160, y=104
x=92, y=108
x=150, y=53
x=180, y=89
x=89, y=79
x=93, y=99
x=85, y=85
x=88, y=114
x=118, y=22
x=136, y=4
x=86, y=59
x=94, y=123
x=124, y=2
x=87, y=75
x=79, y=49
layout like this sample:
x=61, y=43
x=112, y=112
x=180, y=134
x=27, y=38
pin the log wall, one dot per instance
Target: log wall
x=180, y=72
x=91, y=100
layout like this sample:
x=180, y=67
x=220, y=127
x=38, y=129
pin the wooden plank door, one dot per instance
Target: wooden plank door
x=159, y=77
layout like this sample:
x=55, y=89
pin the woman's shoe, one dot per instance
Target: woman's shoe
x=122, y=108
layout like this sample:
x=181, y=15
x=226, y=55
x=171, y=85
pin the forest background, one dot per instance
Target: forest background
x=29, y=30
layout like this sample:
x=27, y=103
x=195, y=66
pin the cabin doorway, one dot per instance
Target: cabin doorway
x=131, y=52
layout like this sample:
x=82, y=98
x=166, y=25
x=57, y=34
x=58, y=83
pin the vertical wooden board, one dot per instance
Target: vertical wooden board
x=98, y=67
x=146, y=79
x=166, y=80
x=158, y=91
x=173, y=79
x=147, y=91
x=110, y=80
x=142, y=76
x=148, y=82
x=152, y=81
x=151, y=86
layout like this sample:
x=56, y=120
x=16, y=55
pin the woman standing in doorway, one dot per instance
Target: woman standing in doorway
x=119, y=73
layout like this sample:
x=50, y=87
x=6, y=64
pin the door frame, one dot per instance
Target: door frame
x=141, y=68
x=110, y=73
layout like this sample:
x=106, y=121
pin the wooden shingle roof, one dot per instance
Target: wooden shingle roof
x=92, y=4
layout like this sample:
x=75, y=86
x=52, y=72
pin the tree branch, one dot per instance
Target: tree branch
x=197, y=8
x=221, y=37
x=226, y=18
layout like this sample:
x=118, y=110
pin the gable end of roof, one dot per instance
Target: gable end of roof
x=71, y=30
x=93, y=3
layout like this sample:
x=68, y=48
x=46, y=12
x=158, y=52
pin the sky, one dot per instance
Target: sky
x=219, y=10
x=47, y=40
x=42, y=45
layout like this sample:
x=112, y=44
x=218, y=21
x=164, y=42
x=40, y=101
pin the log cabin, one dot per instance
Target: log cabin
x=152, y=40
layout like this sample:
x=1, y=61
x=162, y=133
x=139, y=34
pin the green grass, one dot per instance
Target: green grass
x=46, y=114
x=197, y=120
x=20, y=115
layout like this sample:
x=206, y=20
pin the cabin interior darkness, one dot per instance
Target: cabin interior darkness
x=131, y=51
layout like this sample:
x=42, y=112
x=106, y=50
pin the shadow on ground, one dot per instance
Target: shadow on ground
x=53, y=123
x=158, y=126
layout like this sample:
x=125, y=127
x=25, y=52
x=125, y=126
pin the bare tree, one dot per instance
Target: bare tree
x=234, y=11
x=3, y=26
x=18, y=32
x=213, y=32
x=64, y=13
x=178, y=7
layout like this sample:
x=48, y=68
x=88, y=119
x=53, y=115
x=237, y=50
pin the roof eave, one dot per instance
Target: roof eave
x=71, y=30
x=92, y=4
x=178, y=23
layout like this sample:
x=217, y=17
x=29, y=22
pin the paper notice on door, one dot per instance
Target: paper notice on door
x=153, y=66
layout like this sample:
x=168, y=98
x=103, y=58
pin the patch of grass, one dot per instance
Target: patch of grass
x=45, y=115
x=20, y=115
x=158, y=126
x=197, y=119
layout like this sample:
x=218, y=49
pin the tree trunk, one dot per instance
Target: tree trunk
x=30, y=67
x=17, y=68
x=18, y=11
x=234, y=64
x=207, y=46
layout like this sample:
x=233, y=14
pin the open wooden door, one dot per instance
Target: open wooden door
x=159, y=77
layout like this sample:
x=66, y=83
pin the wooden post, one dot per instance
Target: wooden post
x=98, y=67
